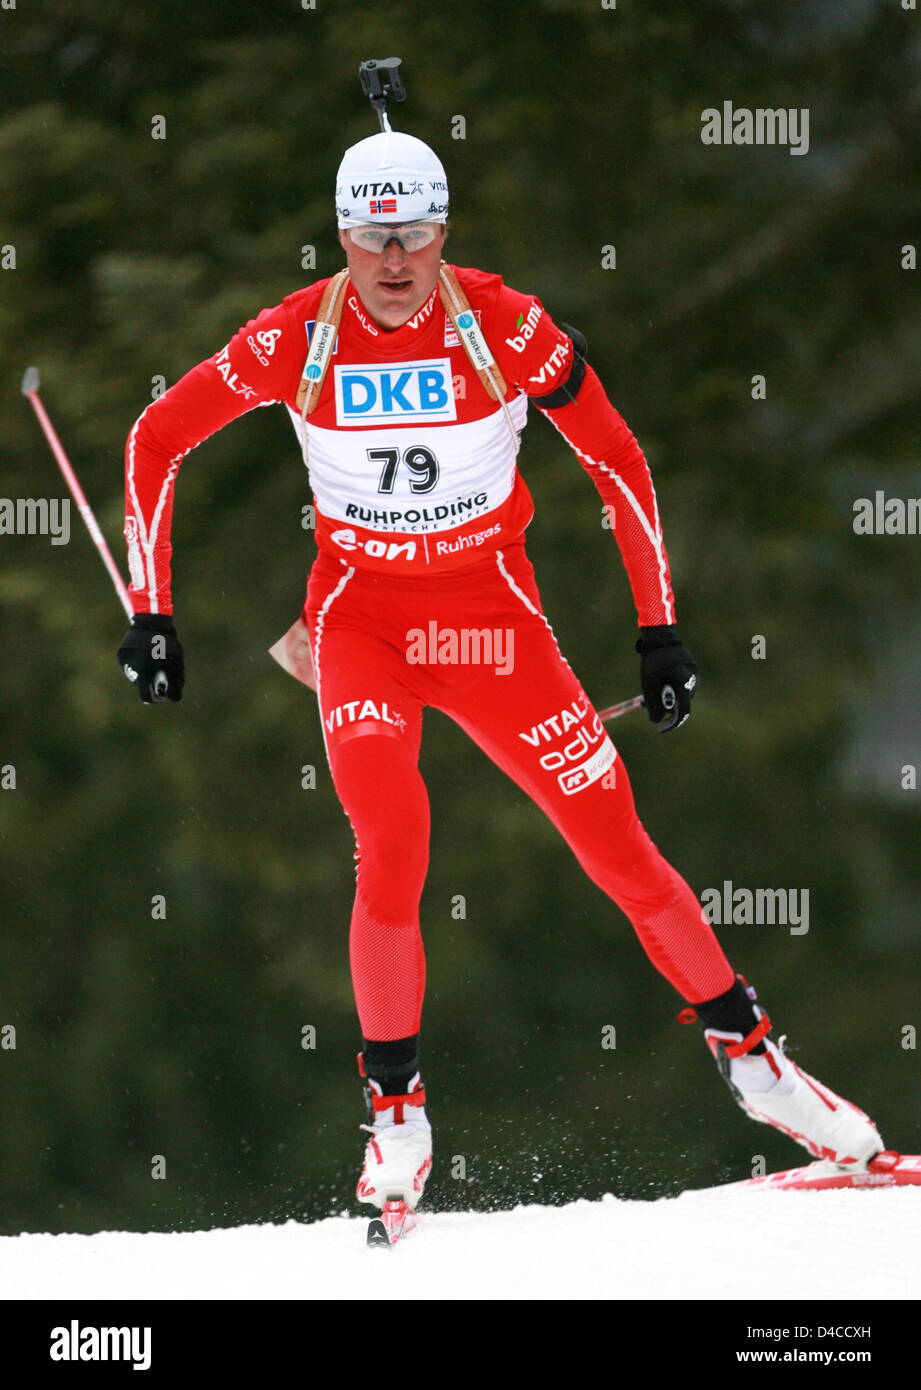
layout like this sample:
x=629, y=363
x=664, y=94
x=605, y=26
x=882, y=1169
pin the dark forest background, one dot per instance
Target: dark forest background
x=135, y=258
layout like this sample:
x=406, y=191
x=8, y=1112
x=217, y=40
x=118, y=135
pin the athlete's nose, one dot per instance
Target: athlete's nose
x=394, y=256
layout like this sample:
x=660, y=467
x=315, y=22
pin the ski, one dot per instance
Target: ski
x=887, y=1169
x=395, y=1221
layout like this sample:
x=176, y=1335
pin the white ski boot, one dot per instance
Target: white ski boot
x=398, y=1154
x=772, y=1089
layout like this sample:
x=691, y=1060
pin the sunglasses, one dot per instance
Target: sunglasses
x=412, y=236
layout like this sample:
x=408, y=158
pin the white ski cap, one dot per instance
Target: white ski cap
x=391, y=177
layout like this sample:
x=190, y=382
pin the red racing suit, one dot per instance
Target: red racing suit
x=422, y=594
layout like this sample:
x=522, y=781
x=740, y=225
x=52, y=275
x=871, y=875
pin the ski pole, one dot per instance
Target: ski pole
x=668, y=702
x=615, y=711
x=31, y=381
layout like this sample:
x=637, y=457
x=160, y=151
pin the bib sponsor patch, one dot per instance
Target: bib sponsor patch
x=393, y=393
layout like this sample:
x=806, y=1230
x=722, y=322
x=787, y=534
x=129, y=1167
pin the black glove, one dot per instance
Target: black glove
x=151, y=657
x=668, y=673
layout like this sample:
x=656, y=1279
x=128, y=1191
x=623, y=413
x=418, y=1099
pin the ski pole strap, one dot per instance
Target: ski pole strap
x=322, y=342
x=457, y=307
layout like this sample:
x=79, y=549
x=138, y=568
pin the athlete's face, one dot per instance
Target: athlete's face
x=393, y=283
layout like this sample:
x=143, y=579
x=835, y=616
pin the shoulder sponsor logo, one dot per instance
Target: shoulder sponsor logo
x=231, y=379
x=386, y=393
x=263, y=345
x=320, y=343
x=451, y=338
x=553, y=364
x=527, y=325
x=474, y=341
x=310, y=325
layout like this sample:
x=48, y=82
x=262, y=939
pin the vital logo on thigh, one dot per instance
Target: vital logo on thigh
x=367, y=712
x=573, y=744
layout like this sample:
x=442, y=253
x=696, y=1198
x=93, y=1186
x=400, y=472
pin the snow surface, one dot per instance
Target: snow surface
x=832, y=1244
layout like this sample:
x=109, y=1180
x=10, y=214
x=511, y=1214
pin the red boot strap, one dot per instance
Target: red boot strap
x=359, y=1058
x=397, y=1102
x=739, y=1049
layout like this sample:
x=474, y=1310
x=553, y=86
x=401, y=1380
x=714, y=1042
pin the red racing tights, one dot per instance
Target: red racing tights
x=474, y=643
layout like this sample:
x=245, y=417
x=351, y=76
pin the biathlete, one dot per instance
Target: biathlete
x=408, y=382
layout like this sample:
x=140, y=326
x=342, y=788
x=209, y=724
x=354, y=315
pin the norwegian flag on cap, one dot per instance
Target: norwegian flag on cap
x=379, y=206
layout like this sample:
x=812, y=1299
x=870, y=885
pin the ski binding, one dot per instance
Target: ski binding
x=395, y=1221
